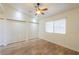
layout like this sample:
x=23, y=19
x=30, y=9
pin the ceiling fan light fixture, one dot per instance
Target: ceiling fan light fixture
x=40, y=10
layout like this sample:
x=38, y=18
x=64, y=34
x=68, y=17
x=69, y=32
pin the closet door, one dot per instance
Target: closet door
x=16, y=31
x=1, y=31
x=33, y=30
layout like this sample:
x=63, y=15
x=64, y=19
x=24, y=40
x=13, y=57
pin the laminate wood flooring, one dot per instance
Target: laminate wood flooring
x=36, y=47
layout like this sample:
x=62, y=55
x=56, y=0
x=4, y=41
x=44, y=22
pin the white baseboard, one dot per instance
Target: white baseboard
x=62, y=45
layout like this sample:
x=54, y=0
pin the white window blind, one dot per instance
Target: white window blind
x=57, y=26
x=60, y=26
x=49, y=27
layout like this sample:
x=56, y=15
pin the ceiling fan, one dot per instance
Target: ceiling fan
x=40, y=10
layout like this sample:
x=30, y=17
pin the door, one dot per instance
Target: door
x=1, y=31
x=16, y=31
x=33, y=30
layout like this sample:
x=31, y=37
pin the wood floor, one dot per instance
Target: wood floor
x=36, y=47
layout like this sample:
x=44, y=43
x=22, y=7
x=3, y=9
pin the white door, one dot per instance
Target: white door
x=33, y=30
x=1, y=31
x=16, y=31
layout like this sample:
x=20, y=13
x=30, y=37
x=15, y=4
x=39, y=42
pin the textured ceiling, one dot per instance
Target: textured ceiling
x=28, y=9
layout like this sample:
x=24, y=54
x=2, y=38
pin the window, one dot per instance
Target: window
x=58, y=26
x=49, y=27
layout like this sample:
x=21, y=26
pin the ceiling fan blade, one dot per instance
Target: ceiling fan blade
x=44, y=9
x=42, y=13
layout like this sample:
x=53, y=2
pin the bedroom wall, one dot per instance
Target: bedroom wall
x=71, y=38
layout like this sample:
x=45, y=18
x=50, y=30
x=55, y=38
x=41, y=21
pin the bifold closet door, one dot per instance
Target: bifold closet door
x=16, y=31
x=33, y=31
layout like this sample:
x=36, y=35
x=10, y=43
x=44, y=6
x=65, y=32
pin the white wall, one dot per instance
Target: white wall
x=71, y=38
